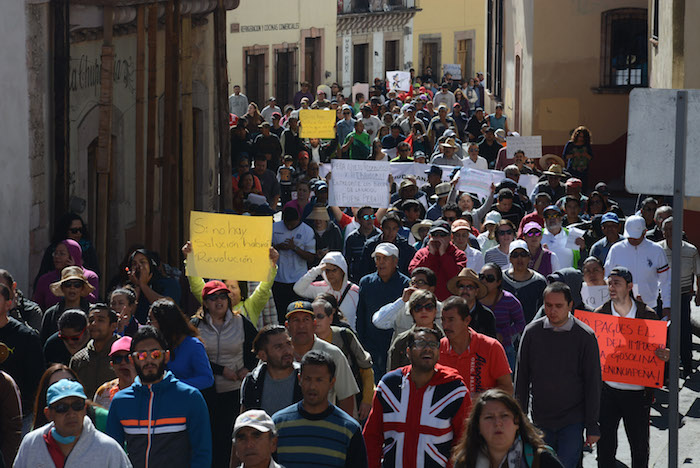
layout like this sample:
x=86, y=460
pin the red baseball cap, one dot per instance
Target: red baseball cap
x=213, y=287
x=123, y=344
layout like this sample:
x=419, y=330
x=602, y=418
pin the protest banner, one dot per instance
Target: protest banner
x=479, y=182
x=398, y=80
x=317, y=123
x=594, y=296
x=574, y=234
x=361, y=88
x=454, y=69
x=528, y=182
x=530, y=145
x=627, y=348
x=229, y=247
x=359, y=183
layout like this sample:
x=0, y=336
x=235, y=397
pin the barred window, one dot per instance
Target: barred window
x=624, y=58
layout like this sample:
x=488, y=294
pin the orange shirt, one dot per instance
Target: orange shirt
x=480, y=365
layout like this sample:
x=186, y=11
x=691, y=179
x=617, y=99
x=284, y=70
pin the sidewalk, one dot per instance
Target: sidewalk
x=688, y=434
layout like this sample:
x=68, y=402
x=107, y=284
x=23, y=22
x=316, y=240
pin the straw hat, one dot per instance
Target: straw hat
x=425, y=223
x=319, y=213
x=68, y=274
x=549, y=159
x=555, y=170
x=469, y=275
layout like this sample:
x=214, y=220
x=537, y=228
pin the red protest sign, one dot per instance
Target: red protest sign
x=627, y=348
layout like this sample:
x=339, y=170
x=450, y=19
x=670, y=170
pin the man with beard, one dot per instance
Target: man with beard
x=274, y=383
x=417, y=409
x=160, y=420
x=555, y=238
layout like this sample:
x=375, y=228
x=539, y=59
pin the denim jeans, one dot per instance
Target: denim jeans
x=567, y=442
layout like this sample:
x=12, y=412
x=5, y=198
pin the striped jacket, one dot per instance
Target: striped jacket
x=165, y=424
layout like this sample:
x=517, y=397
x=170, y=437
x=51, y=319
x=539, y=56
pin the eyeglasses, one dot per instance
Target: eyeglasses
x=426, y=306
x=467, y=286
x=533, y=233
x=74, y=338
x=418, y=282
x=214, y=297
x=519, y=254
x=368, y=217
x=473, y=150
x=154, y=354
x=119, y=358
x=75, y=230
x=75, y=284
x=487, y=278
x=507, y=232
x=422, y=344
x=62, y=408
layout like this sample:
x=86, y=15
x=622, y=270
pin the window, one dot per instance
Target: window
x=360, y=63
x=431, y=48
x=624, y=60
x=391, y=55
x=655, y=21
x=359, y=6
x=255, y=73
x=494, y=47
x=285, y=74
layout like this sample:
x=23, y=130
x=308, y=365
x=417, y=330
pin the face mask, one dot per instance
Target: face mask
x=61, y=439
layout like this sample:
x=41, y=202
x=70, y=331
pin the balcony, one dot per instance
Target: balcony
x=349, y=7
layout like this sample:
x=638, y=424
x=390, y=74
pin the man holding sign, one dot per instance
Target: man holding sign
x=625, y=401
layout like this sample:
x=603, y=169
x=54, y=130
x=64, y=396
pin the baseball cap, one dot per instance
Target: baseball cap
x=622, y=272
x=122, y=344
x=213, y=287
x=602, y=188
x=552, y=208
x=386, y=248
x=574, y=182
x=635, y=227
x=257, y=419
x=460, y=225
x=609, y=218
x=299, y=306
x=517, y=244
x=440, y=226
x=532, y=225
x=276, y=115
x=492, y=217
x=435, y=170
x=64, y=388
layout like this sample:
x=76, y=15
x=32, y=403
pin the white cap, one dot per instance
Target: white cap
x=257, y=419
x=492, y=217
x=518, y=244
x=386, y=248
x=635, y=227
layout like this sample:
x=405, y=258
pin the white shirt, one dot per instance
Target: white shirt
x=479, y=164
x=372, y=124
x=475, y=259
x=557, y=244
x=649, y=267
x=291, y=266
x=631, y=314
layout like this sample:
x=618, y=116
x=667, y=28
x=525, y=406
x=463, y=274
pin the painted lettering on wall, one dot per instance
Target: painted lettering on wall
x=86, y=73
x=269, y=27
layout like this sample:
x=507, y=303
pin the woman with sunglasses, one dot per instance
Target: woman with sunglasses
x=188, y=357
x=53, y=374
x=67, y=253
x=70, y=226
x=510, y=321
x=358, y=358
x=227, y=336
x=73, y=291
x=505, y=234
x=543, y=261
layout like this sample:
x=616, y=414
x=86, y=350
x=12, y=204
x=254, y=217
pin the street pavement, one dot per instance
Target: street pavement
x=688, y=434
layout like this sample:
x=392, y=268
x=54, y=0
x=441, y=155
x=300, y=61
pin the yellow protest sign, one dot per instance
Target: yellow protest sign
x=229, y=246
x=317, y=123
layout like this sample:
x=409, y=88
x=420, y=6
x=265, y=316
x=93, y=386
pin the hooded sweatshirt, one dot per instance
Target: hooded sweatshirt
x=43, y=295
x=307, y=287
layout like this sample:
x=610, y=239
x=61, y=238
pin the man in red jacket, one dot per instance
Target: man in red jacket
x=418, y=411
x=441, y=256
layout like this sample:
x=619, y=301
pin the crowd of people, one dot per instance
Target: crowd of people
x=437, y=331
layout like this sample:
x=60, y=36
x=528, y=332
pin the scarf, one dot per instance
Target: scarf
x=513, y=459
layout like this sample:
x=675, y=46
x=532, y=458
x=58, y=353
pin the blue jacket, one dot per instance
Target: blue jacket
x=190, y=364
x=375, y=293
x=165, y=424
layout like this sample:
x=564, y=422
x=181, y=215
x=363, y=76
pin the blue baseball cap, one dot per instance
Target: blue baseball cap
x=609, y=218
x=552, y=208
x=437, y=170
x=64, y=388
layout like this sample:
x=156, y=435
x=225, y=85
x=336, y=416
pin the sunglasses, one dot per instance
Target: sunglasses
x=422, y=344
x=155, y=354
x=75, y=284
x=428, y=306
x=214, y=297
x=75, y=230
x=439, y=234
x=519, y=254
x=552, y=216
x=368, y=217
x=118, y=359
x=74, y=338
x=533, y=233
x=487, y=278
x=62, y=408
x=508, y=232
x=418, y=282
